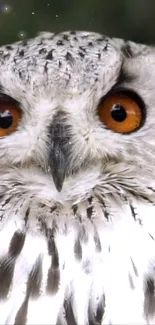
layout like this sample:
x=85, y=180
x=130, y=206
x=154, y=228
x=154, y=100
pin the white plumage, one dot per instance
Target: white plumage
x=77, y=197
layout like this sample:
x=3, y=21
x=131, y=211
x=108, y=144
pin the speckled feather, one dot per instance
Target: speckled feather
x=85, y=254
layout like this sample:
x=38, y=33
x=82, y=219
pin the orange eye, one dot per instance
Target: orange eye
x=10, y=115
x=120, y=113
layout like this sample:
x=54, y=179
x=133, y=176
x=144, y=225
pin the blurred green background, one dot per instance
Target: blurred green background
x=130, y=19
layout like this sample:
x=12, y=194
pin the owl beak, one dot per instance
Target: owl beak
x=59, y=150
x=58, y=168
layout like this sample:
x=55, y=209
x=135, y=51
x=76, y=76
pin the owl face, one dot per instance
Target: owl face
x=75, y=102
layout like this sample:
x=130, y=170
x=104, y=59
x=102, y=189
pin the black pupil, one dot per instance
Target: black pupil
x=6, y=119
x=118, y=113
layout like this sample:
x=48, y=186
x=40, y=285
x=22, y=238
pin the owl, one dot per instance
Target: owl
x=77, y=181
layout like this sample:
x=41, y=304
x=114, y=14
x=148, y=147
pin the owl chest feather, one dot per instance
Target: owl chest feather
x=86, y=262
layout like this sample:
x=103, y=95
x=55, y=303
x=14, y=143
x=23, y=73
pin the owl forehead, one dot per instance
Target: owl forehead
x=70, y=60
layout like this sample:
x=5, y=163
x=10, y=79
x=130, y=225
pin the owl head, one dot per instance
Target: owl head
x=77, y=105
